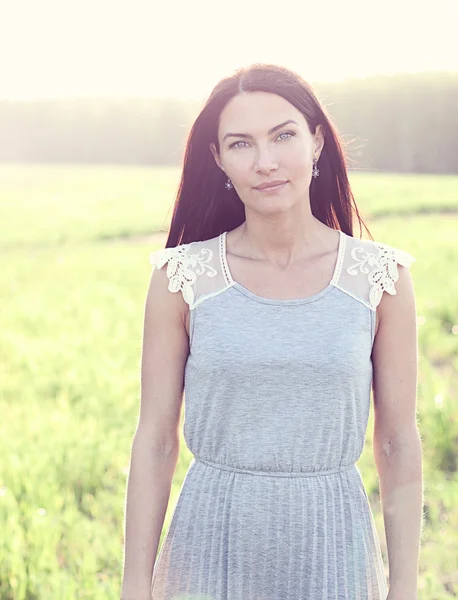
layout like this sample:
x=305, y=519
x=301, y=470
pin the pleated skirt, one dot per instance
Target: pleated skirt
x=240, y=534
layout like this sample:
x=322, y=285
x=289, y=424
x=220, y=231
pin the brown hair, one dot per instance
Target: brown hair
x=203, y=208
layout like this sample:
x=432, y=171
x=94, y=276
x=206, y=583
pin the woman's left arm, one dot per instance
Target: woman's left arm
x=396, y=442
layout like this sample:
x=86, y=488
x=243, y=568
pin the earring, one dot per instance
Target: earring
x=315, y=171
x=228, y=184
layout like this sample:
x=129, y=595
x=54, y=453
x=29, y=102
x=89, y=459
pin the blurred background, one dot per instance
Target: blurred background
x=96, y=101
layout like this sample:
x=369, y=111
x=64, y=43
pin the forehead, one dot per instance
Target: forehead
x=256, y=112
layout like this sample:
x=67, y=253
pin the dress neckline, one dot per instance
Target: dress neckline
x=264, y=300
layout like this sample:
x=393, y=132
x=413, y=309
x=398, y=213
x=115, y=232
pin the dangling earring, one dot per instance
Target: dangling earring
x=315, y=171
x=228, y=184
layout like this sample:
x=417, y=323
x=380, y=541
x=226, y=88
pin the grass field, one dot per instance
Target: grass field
x=74, y=248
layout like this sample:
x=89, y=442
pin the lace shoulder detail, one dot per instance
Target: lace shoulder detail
x=189, y=267
x=370, y=269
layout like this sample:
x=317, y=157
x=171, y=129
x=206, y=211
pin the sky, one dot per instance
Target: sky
x=181, y=48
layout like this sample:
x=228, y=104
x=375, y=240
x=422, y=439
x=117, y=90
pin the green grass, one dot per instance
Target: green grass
x=61, y=204
x=71, y=324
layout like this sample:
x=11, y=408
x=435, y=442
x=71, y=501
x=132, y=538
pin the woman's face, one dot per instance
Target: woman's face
x=265, y=153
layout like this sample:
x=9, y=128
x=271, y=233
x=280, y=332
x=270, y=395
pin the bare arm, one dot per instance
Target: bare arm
x=155, y=447
x=397, y=443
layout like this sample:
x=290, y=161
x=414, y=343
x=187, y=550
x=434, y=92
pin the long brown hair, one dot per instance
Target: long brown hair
x=203, y=208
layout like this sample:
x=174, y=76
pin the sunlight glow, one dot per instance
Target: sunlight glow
x=56, y=48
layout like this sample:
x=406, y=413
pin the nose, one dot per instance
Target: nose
x=265, y=161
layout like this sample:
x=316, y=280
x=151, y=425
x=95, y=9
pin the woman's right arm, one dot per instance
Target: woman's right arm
x=156, y=443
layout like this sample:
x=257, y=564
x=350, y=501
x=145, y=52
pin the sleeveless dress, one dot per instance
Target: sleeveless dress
x=277, y=398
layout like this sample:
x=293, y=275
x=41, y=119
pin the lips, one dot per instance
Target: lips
x=269, y=184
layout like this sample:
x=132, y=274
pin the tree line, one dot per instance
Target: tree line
x=401, y=123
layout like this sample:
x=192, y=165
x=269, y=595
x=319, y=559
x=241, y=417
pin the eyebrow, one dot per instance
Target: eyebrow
x=246, y=135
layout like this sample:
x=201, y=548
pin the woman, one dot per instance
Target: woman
x=280, y=327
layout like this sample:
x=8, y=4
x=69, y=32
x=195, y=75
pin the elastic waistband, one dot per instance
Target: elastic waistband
x=275, y=473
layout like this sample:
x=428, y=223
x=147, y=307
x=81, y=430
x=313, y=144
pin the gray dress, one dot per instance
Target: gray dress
x=277, y=397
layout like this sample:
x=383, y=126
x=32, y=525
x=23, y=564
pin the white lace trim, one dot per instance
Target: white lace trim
x=382, y=268
x=183, y=268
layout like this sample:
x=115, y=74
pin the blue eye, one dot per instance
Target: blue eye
x=235, y=144
x=291, y=133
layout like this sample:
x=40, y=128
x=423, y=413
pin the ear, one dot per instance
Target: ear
x=215, y=155
x=319, y=139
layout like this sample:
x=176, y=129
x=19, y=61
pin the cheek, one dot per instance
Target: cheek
x=293, y=161
x=299, y=167
x=237, y=163
x=297, y=159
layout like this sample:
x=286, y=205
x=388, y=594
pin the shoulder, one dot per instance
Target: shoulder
x=372, y=267
x=191, y=267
